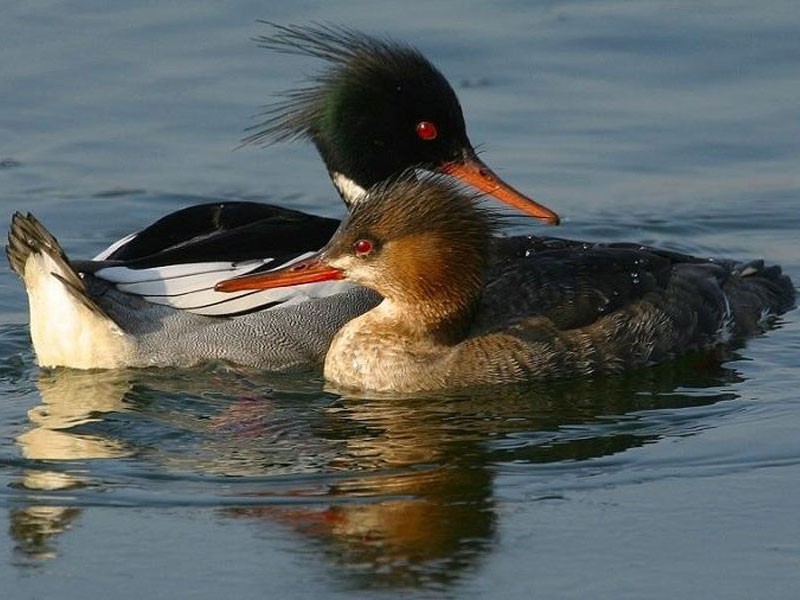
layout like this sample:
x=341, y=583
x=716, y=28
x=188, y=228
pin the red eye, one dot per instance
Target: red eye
x=362, y=247
x=426, y=131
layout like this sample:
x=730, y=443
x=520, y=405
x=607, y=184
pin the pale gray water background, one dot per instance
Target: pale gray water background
x=673, y=123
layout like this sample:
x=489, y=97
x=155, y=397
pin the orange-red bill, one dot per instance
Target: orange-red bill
x=474, y=171
x=310, y=270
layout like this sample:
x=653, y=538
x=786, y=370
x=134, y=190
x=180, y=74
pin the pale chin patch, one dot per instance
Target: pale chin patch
x=349, y=189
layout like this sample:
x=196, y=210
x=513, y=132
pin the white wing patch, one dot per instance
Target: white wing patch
x=190, y=287
x=115, y=246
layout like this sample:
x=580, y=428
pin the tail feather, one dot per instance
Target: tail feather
x=28, y=237
x=68, y=328
x=24, y=239
x=757, y=292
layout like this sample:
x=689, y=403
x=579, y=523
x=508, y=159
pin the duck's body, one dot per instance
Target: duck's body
x=84, y=321
x=149, y=299
x=571, y=329
x=568, y=309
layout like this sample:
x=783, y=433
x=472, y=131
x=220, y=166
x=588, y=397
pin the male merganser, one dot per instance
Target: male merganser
x=451, y=318
x=149, y=300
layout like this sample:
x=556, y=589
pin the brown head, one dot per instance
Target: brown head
x=421, y=243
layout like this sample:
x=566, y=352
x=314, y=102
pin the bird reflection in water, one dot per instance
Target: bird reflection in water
x=394, y=492
x=415, y=502
x=70, y=399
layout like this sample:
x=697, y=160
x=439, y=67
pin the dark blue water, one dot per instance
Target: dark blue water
x=667, y=123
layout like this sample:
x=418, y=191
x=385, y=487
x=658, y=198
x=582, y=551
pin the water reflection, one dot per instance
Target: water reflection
x=392, y=492
x=69, y=399
x=34, y=529
x=427, y=465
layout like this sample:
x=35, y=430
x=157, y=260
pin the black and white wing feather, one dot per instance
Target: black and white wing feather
x=179, y=259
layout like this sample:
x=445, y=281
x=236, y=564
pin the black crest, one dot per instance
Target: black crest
x=350, y=56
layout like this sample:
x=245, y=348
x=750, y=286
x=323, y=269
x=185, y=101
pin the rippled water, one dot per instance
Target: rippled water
x=671, y=123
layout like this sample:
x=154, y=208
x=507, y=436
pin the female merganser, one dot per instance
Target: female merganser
x=451, y=318
x=149, y=299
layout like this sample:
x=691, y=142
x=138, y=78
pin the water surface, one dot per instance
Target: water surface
x=668, y=123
